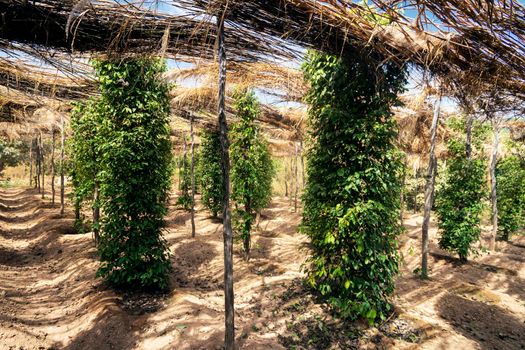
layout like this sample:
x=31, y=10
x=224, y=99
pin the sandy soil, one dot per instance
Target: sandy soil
x=50, y=298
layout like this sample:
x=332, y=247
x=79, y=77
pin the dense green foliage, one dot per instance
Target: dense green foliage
x=510, y=174
x=459, y=200
x=184, y=199
x=251, y=167
x=84, y=166
x=210, y=170
x=351, y=199
x=9, y=154
x=123, y=137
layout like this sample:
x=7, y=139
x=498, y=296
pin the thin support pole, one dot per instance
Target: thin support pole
x=229, y=334
x=62, y=146
x=192, y=177
x=31, y=163
x=42, y=164
x=53, y=166
x=429, y=189
x=493, y=185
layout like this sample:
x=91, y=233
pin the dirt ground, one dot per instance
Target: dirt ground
x=50, y=298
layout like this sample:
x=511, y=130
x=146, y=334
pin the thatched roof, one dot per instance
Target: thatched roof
x=474, y=47
x=474, y=40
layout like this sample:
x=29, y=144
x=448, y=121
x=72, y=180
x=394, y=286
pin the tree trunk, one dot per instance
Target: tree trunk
x=62, y=145
x=31, y=163
x=229, y=337
x=429, y=189
x=296, y=178
x=42, y=164
x=192, y=177
x=53, y=167
x=493, y=185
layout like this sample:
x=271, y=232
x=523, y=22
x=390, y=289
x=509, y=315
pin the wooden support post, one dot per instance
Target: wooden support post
x=38, y=163
x=53, y=166
x=302, y=163
x=184, y=161
x=493, y=184
x=402, y=193
x=192, y=177
x=42, y=164
x=96, y=210
x=229, y=334
x=296, y=176
x=31, y=162
x=62, y=146
x=429, y=188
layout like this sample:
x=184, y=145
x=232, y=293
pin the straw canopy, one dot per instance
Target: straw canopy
x=475, y=48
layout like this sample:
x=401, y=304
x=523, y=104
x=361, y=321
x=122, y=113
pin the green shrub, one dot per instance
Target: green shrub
x=459, y=200
x=133, y=141
x=510, y=175
x=351, y=198
x=251, y=167
x=84, y=165
x=185, y=200
x=210, y=170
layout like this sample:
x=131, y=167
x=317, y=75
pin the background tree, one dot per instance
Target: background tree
x=351, y=199
x=136, y=167
x=459, y=200
x=209, y=168
x=251, y=167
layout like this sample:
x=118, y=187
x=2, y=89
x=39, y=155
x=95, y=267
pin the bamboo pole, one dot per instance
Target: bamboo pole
x=192, y=177
x=429, y=189
x=229, y=334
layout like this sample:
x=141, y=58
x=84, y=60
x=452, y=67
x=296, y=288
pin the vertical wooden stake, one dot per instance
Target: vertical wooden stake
x=296, y=177
x=53, y=166
x=192, y=177
x=184, y=162
x=38, y=163
x=31, y=162
x=493, y=185
x=229, y=334
x=96, y=211
x=42, y=164
x=302, y=163
x=429, y=189
x=62, y=145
